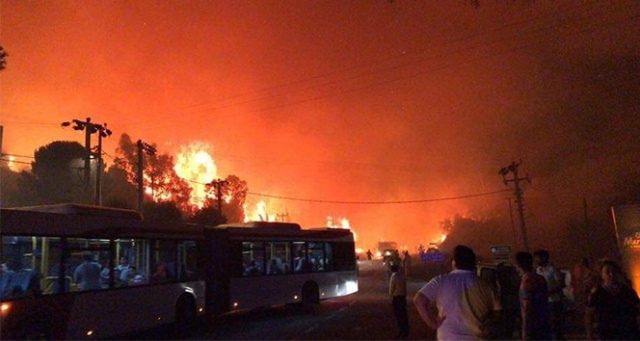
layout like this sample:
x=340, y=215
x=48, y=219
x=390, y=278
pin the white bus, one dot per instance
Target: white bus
x=83, y=272
x=154, y=274
x=265, y=264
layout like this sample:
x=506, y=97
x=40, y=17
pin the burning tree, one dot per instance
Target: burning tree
x=160, y=181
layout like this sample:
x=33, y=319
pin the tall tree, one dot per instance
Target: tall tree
x=160, y=181
x=234, y=193
x=10, y=196
x=117, y=190
x=57, y=174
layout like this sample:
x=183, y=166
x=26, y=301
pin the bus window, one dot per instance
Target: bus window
x=328, y=257
x=316, y=256
x=278, y=258
x=21, y=259
x=253, y=258
x=164, y=261
x=89, y=257
x=187, y=261
x=136, y=254
x=343, y=257
x=301, y=262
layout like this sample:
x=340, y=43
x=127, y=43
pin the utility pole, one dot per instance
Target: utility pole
x=282, y=217
x=513, y=169
x=151, y=151
x=102, y=132
x=513, y=225
x=91, y=128
x=218, y=184
x=586, y=229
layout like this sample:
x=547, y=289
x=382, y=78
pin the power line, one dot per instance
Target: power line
x=16, y=155
x=13, y=161
x=381, y=202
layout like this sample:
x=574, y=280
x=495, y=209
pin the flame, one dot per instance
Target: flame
x=11, y=164
x=195, y=164
x=260, y=214
x=156, y=195
x=343, y=223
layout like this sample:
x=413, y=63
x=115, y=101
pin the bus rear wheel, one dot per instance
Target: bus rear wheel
x=310, y=297
x=185, y=319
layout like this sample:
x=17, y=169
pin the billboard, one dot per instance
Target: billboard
x=626, y=219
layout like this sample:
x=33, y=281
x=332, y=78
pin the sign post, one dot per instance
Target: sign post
x=501, y=253
x=626, y=220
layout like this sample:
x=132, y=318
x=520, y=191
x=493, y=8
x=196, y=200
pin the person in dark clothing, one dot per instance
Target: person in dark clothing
x=612, y=307
x=534, y=304
x=398, y=293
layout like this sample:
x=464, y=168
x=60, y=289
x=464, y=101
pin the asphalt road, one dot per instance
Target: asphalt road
x=365, y=315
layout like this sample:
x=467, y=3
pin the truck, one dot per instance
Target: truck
x=385, y=249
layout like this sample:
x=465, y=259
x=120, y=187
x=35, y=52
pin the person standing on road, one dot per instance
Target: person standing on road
x=534, y=301
x=386, y=265
x=462, y=299
x=406, y=262
x=555, y=284
x=398, y=293
x=615, y=306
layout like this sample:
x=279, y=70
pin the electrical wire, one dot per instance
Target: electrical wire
x=381, y=202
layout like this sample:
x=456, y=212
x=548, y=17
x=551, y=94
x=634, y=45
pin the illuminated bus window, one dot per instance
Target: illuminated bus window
x=21, y=272
x=87, y=259
x=316, y=256
x=133, y=268
x=301, y=261
x=253, y=258
x=278, y=258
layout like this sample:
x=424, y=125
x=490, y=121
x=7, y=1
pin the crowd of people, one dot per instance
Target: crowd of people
x=460, y=305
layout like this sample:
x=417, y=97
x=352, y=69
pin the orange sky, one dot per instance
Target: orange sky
x=353, y=101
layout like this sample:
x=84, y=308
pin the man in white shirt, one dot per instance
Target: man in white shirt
x=462, y=299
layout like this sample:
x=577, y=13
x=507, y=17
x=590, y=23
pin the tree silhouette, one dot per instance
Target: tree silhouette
x=208, y=215
x=117, y=190
x=166, y=211
x=56, y=175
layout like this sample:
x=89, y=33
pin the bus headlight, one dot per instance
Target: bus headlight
x=5, y=308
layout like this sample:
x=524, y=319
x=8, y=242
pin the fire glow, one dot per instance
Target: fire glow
x=196, y=165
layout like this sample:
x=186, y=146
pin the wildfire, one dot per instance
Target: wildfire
x=195, y=164
x=260, y=213
x=341, y=223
